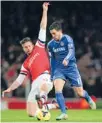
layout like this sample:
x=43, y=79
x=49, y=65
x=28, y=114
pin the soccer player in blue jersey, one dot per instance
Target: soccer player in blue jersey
x=63, y=67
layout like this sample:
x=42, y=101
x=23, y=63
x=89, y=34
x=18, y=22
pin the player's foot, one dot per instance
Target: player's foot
x=55, y=102
x=63, y=116
x=93, y=105
x=39, y=101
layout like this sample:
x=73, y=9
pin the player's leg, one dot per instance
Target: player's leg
x=59, y=84
x=41, y=97
x=59, y=81
x=76, y=82
x=43, y=94
x=32, y=108
x=84, y=94
x=52, y=105
x=32, y=105
x=39, y=86
x=45, y=87
x=55, y=105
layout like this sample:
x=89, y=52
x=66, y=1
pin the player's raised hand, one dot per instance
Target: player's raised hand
x=45, y=5
x=65, y=62
x=6, y=91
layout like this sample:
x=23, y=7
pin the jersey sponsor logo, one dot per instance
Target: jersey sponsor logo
x=31, y=60
x=58, y=49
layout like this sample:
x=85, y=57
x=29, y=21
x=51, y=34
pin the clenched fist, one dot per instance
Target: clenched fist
x=45, y=5
x=65, y=62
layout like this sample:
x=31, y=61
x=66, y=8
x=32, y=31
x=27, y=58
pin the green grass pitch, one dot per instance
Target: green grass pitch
x=73, y=116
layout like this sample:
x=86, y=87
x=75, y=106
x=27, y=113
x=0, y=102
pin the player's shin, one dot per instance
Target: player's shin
x=43, y=96
x=41, y=99
x=61, y=101
x=44, y=90
x=89, y=99
x=86, y=96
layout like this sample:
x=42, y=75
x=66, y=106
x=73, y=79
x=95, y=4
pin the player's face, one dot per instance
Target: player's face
x=56, y=34
x=28, y=47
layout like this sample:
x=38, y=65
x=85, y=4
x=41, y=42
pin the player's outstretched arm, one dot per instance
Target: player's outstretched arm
x=14, y=85
x=43, y=23
x=42, y=33
x=11, y=88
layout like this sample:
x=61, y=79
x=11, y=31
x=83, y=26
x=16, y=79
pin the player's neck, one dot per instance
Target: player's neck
x=61, y=35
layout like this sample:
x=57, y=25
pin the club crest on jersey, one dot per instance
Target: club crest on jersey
x=62, y=44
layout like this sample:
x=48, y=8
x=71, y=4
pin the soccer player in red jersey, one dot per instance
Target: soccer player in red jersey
x=36, y=66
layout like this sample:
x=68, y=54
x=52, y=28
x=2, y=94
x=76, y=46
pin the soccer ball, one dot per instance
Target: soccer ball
x=43, y=115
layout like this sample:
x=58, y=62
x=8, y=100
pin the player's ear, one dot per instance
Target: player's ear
x=60, y=30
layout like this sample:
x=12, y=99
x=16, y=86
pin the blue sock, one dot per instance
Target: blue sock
x=61, y=101
x=87, y=97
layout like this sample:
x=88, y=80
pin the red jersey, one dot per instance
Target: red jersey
x=37, y=62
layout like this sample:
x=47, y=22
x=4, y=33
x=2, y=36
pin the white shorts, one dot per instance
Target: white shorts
x=36, y=85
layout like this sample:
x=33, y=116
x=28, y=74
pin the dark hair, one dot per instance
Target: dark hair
x=55, y=25
x=24, y=40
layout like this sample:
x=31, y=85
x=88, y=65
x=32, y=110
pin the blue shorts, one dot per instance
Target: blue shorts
x=72, y=74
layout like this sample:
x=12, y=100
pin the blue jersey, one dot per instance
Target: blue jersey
x=60, y=50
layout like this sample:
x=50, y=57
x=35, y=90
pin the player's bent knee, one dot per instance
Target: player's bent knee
x=44, y=87
x=47, y=87
x=59, y=84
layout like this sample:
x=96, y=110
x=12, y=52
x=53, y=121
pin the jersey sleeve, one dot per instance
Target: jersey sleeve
x=49, y=50
x=24, y=71
x=20, y=78
x=23, y=74
x=70, y=48
x=41, y=38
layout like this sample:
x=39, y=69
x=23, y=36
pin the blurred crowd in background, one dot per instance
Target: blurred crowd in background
x=81, y=20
